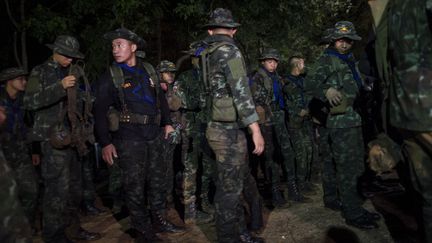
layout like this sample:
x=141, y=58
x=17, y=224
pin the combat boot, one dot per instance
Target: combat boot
x=161, y=224
x=277, y=199
x=246, y=237
x=195, y=216
x=294, y=193
x=84, y=235
x=89, y=208
x=363, y=222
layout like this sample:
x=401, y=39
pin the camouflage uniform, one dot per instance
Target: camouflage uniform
x=299, y=127
x=194, y=144
x=61, y=171
x=140, y=101
x=15, y=147
x=403, y=55
x=266, y=89
x=228, y=82
x=14, y=226
x=341, y=141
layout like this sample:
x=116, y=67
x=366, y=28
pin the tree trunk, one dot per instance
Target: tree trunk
x=24, y=57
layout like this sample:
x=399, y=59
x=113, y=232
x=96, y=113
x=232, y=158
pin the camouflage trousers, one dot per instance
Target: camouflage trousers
x=61, y=172
x=230, y=148
x=167, y=158
x=283, y=140
x=14, y=226
x=271, y=166
x=303, y=149
x=88, y=186
x=343, y=163
x=194, y=148
x=417, y=150
x=136, y=159
x=26, y=178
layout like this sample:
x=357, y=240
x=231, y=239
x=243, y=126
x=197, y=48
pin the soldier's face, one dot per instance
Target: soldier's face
x=270, y=65
x=168, y=77
x=301, y=66
x=63, y=61
x=123, y=50
x=343, y=45
x=18, y=83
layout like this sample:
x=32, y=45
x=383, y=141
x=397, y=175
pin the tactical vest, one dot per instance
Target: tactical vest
x=125, y=116
x=220, y=107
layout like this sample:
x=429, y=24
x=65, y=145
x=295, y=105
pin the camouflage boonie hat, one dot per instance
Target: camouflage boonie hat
x=11, y=73
x=67, y=46
x=166, y=66
x=126, y=34
x=344, y=29
x=269, y=53
x=221, y=17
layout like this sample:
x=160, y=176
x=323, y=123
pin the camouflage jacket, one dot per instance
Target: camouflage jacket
x=189, y=92
x=405, y=45
x=14, y=132
x=46, y=97
x=295, y=100
x=330, y=71
x=227, y=77
x=262, y=86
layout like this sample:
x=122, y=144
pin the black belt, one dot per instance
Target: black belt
x=138, y=118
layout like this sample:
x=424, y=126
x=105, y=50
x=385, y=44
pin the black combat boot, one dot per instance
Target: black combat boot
x=246, y=237
x=363, y=222
x=85, y=235
x=88, y=208
x=294, y=193
x=335, y=205
x=277, y=199
x=195, y=216
x=161, y=224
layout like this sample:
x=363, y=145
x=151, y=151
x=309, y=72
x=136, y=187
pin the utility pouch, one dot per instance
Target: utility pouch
x=59, y=136
x=223, y=110
x=113, y=116
x=341, y=108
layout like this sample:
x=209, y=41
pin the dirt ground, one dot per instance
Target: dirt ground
x=308, y=222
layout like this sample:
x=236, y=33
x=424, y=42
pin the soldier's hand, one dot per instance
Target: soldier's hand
x=68, y=81
x=168, y=129
x=257, y=138
x=333, y=96
x=109, y=153
x=35, y=159
x=304, y=113
x=164, y=86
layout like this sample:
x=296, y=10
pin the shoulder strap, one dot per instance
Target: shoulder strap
x=118, y=80
x=155, y=78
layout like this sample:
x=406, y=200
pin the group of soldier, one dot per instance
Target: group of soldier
x=214, y=112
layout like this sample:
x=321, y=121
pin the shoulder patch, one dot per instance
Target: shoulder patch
x=236, y=67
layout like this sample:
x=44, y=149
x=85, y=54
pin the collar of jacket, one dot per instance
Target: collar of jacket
x=219, y=38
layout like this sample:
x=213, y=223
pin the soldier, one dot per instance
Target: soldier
x=194, y=148
x=224, y=76
x=14, y=140
x=266, y=88
x=47, y=95
x=16, y=228
x=403, y=56
x=131, y=86
x=168, y=84
x=336, y=79
x=299, y=123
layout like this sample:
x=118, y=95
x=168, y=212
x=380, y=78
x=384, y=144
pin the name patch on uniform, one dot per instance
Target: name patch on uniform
x=237, y=68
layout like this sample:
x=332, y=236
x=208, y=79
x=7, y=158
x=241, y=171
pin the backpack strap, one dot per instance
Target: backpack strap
x=118, y=80
x=154, y=78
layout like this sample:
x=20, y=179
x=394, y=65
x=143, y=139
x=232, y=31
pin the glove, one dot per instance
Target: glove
x=333, y=96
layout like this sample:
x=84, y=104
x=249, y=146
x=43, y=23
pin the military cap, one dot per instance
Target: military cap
x=166, y=66
x=11, y=73
x=221, y=17
x=344, y=29
x=67, y=46
x=270, y=53
x=126, y=34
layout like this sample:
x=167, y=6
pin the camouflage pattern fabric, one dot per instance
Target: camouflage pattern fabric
x=44, y=95
x=342, y=140
x=273, y=125
x=344, y=146
x=136, y=160
x=17, y=153
x=298, y=128
x=194, y=143
x=14, y=226
x=88, y=186
x=227, y=78
x=404, y=34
